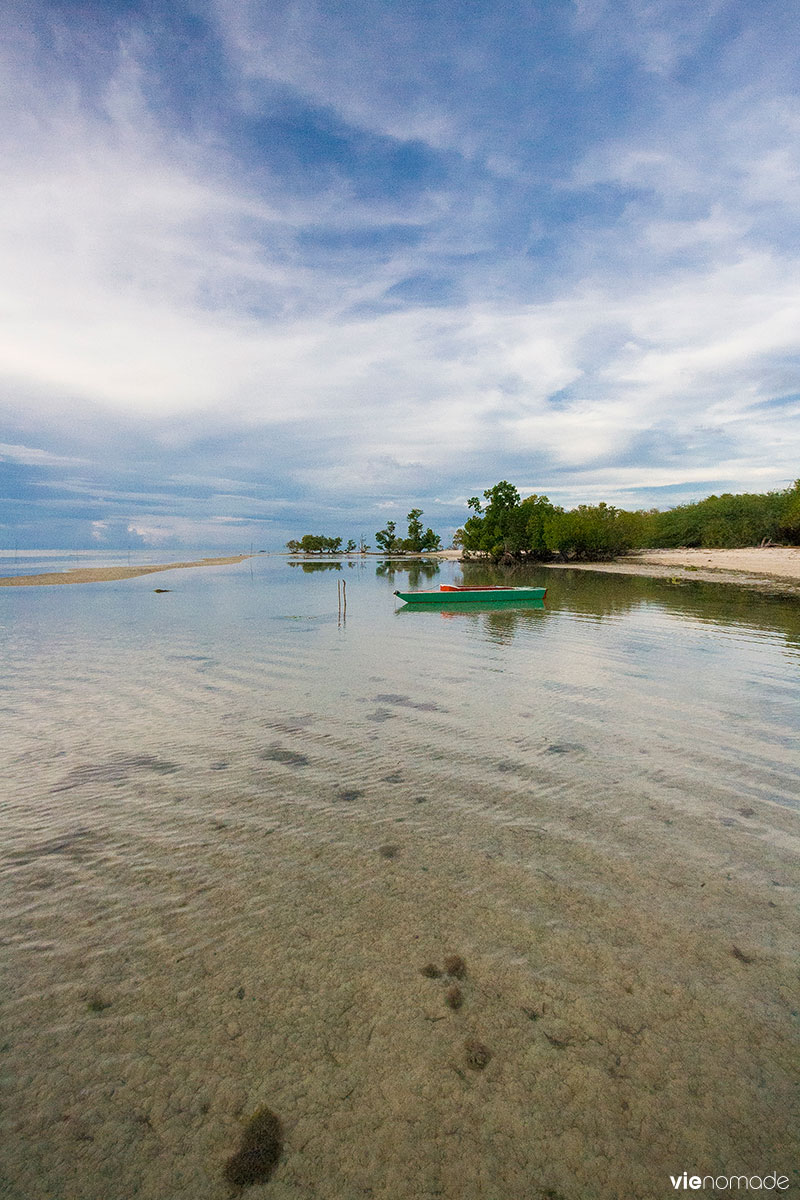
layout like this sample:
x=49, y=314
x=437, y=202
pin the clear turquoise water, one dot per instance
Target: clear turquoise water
x=233, y=788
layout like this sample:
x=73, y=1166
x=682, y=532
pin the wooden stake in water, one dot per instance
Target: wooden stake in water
x=344, y=596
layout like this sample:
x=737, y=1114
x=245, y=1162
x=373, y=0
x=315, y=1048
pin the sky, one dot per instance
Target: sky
x=272, y=267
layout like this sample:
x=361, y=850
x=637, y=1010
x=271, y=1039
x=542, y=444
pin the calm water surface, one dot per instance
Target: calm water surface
x=237, y=825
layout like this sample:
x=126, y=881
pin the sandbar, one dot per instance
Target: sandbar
x=106, y=574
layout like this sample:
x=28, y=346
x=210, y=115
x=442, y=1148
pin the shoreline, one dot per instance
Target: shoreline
x=774, y=569
x=110, y=574
x=770, y=568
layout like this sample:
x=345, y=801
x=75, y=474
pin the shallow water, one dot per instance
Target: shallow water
x=40, y=562
x=238, y=825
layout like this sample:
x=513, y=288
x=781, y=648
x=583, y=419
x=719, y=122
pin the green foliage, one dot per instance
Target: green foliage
x=417, y=540
x=534, y=528
x=789, y=522
x=387, y=539
x=312, y=543
x=591, y=531
x=729, y=520
x=506, y=525
x=413, y=541
x=539, y=515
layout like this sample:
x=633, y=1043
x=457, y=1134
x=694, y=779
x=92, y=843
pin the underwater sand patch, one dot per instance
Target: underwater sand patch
x=454, y=997
x=455, y=965
x=407, y=702
x=289, y=758
x=478, y=1056
x=71, y=845
x=259, y=1153
x=114, y=771
x=349, y=795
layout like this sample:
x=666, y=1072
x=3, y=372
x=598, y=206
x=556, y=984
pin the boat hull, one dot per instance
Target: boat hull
x=513, y=595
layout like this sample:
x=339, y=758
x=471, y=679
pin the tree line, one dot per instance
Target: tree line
x=416, y=541
x=312, y=543
x=505, y=526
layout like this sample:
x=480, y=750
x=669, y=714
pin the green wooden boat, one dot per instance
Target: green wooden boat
x=449, y=593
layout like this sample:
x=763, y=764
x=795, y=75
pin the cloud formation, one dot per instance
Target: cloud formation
x=306, y=264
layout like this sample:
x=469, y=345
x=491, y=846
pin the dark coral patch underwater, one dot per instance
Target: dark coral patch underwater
x=258, y=1155
x=289, y=758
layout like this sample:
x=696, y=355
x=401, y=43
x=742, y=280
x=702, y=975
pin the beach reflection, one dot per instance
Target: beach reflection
x=309, y=568
x=416, y=571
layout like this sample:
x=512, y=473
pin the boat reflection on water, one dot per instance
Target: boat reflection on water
x=498, y=620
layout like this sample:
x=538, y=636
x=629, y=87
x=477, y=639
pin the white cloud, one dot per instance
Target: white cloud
x=32, y=457
x=147, y=283
x=660, y=33
x=314, y=51
x=195, y=531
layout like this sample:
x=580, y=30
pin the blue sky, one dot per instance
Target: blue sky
x=273, y=268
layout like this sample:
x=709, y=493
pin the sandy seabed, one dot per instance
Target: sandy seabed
x=636, y=1010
